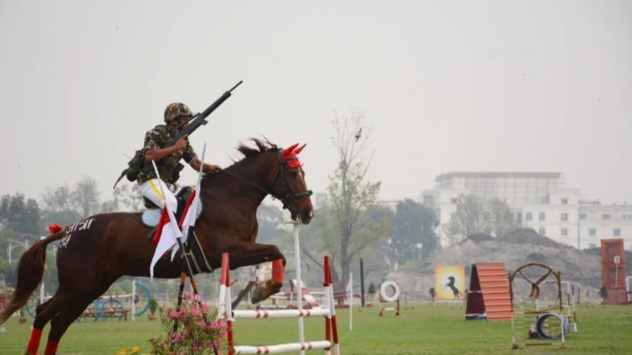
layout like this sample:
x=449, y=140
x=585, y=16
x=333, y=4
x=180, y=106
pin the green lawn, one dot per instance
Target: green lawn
x=419, y=330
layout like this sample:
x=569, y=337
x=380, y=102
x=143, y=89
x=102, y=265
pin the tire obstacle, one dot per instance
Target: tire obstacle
x=544, y=324
x=385, y=297
x=230, y=315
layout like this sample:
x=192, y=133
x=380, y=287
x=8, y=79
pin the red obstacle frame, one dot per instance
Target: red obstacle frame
x=331, y=331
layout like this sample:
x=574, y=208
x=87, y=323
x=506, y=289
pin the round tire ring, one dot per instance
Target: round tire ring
x=383, y=291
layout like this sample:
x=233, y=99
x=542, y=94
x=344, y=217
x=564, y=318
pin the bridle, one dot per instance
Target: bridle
x=279, y=170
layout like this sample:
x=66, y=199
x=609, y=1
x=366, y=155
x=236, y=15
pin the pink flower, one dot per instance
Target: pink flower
x=173, y=315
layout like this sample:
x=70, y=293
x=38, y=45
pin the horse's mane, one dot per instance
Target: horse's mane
x=264, y=145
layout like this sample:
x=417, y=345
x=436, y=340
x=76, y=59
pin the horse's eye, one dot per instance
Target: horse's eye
x=293, y=173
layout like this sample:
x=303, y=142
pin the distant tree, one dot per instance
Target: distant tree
x=352, y=198
x=66, y=205
x=502, y=218
x=85, y=197
x=270, y=219
x=126, y=198
x=470, y=217
x=475, y=215
x=58, y=206
x=21, y=215
x=413, y=227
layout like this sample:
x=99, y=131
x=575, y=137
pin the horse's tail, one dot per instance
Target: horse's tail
x=30, y=271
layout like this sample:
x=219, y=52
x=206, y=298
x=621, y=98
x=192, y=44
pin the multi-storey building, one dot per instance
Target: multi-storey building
x=540, y=200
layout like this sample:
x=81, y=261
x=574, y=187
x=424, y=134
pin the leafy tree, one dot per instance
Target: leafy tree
x=350, y=226
x=58, y=205
x=470, y=217
x=21, y=215
x=126, y=198
x=502, y=218
x=66, y=205
x=413, y=228
x=474, y=215
x=85, y=197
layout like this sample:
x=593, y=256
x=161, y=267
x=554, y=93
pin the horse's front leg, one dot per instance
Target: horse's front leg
x=247, y=254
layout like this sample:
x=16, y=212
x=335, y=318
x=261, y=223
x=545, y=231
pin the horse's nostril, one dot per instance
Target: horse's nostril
x=308, y=213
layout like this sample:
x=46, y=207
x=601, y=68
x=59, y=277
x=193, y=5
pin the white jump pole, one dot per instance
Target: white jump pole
x=299, y=284
x=133, y=304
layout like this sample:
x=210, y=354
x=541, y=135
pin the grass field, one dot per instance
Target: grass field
x=421, y=329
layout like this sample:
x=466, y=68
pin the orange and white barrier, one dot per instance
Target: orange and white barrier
x=225, y=311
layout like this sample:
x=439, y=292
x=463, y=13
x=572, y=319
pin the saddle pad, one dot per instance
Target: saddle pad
x=151, y=217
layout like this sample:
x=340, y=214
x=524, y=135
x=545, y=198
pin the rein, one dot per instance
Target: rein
x=279, y=171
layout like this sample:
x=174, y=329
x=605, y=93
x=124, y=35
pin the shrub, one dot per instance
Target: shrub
x=153, y=306
x=197, y=331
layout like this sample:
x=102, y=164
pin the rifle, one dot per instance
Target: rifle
x=199, y=118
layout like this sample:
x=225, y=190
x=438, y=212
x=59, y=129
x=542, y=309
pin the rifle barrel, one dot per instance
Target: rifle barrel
x=200, y=118
x=236, y=85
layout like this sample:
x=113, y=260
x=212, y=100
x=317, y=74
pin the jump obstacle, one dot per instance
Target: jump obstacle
x=544, y=324
x=613, y=271
x=226, y=312
x=385, y=297
x=488, y=297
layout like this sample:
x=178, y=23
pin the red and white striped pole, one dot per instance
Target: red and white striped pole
x=331, y=328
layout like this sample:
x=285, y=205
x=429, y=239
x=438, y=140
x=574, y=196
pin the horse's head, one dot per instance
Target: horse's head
x=276, y=172
x=288, y=184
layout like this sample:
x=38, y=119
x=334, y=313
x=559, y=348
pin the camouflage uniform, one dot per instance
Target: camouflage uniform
x=169, y=167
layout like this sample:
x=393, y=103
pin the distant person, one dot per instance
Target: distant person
x=168, y=158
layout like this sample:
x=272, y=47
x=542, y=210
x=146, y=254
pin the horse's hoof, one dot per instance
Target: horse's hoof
x=257, y=294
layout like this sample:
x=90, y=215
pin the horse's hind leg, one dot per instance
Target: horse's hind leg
x=42, y=316
x=61, y=321
x=65, y=308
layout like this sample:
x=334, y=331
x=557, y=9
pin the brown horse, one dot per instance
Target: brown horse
x=96, y=251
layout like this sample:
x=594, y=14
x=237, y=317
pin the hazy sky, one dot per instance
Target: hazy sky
x=541, y=86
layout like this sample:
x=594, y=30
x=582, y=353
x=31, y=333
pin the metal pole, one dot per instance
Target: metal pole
x=299, y=284
x=133, y=305
x=362, y=281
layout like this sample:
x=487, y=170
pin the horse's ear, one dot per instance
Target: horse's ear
x=288, y=152
x=298, y=150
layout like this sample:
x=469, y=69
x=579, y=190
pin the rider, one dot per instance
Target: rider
x=168, y=158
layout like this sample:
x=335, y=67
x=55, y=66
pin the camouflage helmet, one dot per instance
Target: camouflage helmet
x=176, y=110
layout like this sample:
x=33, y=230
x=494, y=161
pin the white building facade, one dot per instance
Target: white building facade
x=540, y=200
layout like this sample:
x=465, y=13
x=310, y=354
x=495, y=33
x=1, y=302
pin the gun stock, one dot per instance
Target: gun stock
x=200, y=118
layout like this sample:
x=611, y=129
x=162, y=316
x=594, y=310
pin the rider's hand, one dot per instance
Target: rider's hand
x=181, y=143
x=211, y=168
